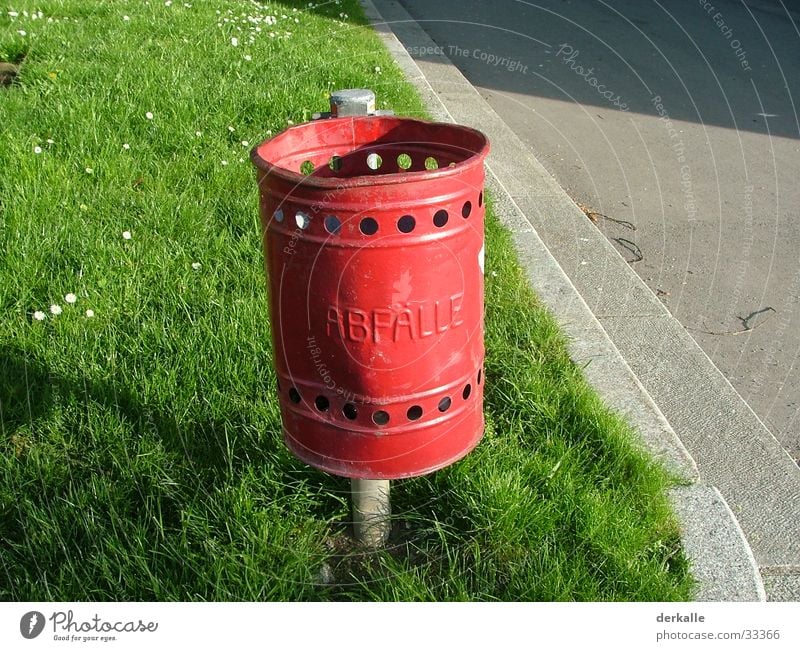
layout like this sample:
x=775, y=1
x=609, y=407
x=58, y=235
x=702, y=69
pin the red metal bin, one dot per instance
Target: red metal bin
x=374, y=245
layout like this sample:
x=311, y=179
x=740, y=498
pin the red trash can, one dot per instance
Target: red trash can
x=374, y=241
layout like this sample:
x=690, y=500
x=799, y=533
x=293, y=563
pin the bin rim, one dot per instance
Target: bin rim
x=329, y=182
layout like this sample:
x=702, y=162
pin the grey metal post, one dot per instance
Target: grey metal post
x=372, y=510
x=352, y=101
x=372, y=507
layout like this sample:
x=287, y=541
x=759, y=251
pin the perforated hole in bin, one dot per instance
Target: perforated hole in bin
x=480, y=375
x=368, y=226
x=414, y=413
x=278, y=215
x=444, y=404
x=380, y=417
x=294, y=395
x=302, y=220
x=322, y=403
x=350, y=411
x=306, y=167
x=404, y=161
x=406, y=224
x=335, y=163
x=466, y=392
x=440, y=218
x=374, y=161
x=480, y=199
x=333, y=224
x=431, y=163
x=466, y=209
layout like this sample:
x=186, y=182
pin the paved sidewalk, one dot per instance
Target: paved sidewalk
x=643, y=362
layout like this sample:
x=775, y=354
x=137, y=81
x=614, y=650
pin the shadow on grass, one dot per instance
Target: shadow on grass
x=87, y=468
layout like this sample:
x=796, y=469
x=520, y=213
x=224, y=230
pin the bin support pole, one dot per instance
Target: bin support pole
x=372, y=511
x=372, y=508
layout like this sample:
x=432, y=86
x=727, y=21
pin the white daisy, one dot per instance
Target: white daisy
x=126, y=146
x=71, y=298
x=89, y=170
x=245, y=143
x=90, y=313
x=196, y=265
x=37, y=150
x=149, y=115
x=126, y=235
x=39, y=315
x=235, y=41
x=55, y=309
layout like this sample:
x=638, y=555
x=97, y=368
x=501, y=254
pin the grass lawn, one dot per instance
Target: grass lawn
x=140, y=448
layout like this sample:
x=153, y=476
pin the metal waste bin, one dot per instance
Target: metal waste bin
x=374, y=243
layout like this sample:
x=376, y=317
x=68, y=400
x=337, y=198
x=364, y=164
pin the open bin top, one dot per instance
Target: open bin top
x=369, y=150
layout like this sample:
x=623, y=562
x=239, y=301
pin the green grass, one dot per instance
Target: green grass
x=140, y=450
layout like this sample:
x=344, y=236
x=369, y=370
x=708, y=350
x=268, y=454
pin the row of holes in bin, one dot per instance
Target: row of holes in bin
x=374, y=162
x=380, y=417
x=369, y=225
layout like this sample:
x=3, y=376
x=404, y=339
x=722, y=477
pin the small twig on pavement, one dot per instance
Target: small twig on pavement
x=593, y=216
x=745, y=322
x=632, y=247
x=622, y=222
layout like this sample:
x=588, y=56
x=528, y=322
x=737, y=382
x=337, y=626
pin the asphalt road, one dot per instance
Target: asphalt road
x=680, y=118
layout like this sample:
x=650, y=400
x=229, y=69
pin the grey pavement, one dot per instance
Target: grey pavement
x=646, y=364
